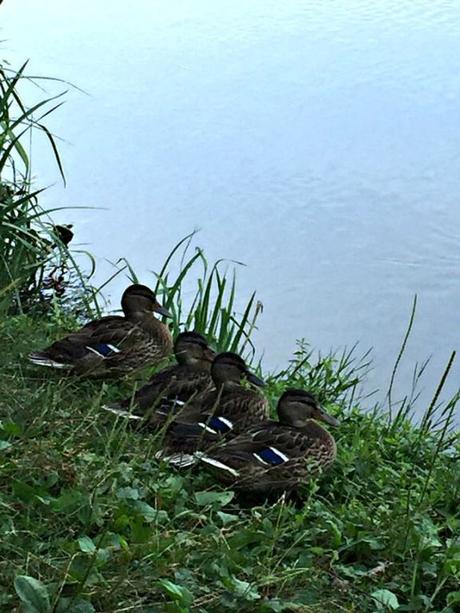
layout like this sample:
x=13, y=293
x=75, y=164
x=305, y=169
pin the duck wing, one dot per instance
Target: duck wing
x=100, y=339
x=178, y=381
x=271, y=458
x=167, y=392
x=209, y=418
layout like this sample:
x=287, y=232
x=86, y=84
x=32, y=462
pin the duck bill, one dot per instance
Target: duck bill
x=162, y=311
x=329, y=419
x=255, y=380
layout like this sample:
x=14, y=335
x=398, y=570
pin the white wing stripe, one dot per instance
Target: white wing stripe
x=226, y=421
x=221, y=465
x=114, y=349
x=275, y=451
x=260, y=460
x=50, y=363
x=206, y=427
x=279, y=453
x=101, y=355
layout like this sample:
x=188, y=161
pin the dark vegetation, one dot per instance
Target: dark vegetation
x=90, y=521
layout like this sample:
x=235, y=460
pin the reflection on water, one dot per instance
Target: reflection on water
x=317, y=142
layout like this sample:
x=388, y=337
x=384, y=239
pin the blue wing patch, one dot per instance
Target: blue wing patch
x=216, y=425
x=220, y=424
x=104, y=350
x=271, y=456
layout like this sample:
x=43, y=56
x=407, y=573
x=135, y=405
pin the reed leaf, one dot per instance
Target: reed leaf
x=30, y=249
x=201, y=296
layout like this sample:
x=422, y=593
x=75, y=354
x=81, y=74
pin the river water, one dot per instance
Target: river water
x=318, y=142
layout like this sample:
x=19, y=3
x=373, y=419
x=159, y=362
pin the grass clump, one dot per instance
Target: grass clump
x=90, y=521
x=36, y=265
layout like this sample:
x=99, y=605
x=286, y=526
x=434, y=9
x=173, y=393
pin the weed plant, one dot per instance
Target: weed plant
x=90, y=521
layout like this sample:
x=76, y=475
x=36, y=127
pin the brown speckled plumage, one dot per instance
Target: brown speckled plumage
x=301, y=447
x=240, y=407
x=138, y=339
x=165, y=393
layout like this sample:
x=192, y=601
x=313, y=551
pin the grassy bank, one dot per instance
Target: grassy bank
x=89, y=521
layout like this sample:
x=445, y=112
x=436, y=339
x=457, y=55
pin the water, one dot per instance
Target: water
x=316, y=142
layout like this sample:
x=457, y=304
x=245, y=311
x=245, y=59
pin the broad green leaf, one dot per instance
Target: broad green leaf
x=69, y=501
x=11, y=428
x=216, y=499
x=149, y=513
x=386, y=598
x=128, y=493
x=33, y=594
x=70, y=605
x=176, y=592
x=27, y=493
x=86, y=544
x=453, y=598
x=244, y=589
x=226, y=518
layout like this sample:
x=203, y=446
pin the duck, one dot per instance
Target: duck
x=171, y=388
x=114, y=345
x=275, y=457
x=231, y=407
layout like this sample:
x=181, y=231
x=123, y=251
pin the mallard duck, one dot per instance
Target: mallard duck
x=114, y=344
x=169, y=389
x=230, y=408
x=276, y=456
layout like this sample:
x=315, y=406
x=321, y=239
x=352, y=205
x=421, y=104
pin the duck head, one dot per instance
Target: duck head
x=139, y=299
x=192, y=349
x=229, y=369
x=296, y=407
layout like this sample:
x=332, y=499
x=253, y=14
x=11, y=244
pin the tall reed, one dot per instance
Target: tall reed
x=29, y=240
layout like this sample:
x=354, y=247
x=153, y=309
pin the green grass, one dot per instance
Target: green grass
x=24, y=236
x=90, y=521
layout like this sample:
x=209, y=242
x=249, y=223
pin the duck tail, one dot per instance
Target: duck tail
x=116, y=410
x=179, y=460
x=42, y=359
